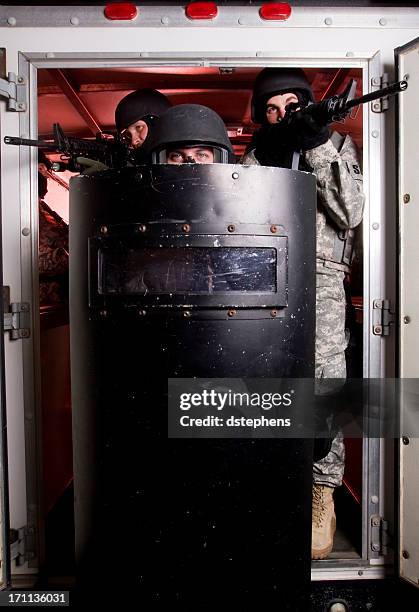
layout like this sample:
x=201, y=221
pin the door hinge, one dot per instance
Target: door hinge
x=379, y=82
x=16, y=317
x=14, y=90
x=22, y=544
x=382, y=318
x=379, y=535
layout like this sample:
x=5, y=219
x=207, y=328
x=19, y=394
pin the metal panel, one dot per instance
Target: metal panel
x=13, y=350
x=228, y=16
x=373, y=263
x=30, y=290
x=408, y=204
x=4, y=484
x=374, y=219
x=408, y=199
x=349, y=570
x=32, y=349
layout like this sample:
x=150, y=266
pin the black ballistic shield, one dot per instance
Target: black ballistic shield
x=189, y=271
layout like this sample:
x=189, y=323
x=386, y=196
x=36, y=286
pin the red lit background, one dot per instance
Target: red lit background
x=83, y=102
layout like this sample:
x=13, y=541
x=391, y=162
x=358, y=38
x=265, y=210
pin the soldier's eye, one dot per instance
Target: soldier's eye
x=271, y=108
x=175, y=156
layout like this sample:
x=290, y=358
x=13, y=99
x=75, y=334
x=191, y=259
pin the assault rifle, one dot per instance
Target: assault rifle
x=112, y=152
x=337, y=107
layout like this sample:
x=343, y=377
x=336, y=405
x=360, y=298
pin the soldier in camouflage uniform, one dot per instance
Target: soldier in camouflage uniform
x=340, y=206
x=53, y=245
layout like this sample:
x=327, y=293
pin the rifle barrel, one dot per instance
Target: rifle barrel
x=380, y=93
x=13, y=140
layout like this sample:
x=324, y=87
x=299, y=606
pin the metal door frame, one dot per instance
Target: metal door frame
x=408, y=447
x=5, y=570
x=373, y=185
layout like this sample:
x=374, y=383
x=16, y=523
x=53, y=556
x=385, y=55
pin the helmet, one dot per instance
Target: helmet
x=141, y=104
x=191, y=125
x=273, y=81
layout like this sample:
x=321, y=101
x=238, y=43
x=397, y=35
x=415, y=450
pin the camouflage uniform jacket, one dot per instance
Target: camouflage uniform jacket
x=53, y=256
x=340, y=200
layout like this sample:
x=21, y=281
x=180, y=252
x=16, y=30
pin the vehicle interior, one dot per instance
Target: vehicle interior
x=83, y=102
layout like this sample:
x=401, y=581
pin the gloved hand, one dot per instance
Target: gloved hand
x=301, y=132
x=90, y=166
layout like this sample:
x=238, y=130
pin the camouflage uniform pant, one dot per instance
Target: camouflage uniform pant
x=330, y=360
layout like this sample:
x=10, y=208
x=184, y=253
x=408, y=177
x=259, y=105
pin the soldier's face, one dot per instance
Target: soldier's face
x=191, y=155
x=275, y=106
x=135, y=134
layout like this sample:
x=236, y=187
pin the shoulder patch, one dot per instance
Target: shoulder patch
x=354, y=170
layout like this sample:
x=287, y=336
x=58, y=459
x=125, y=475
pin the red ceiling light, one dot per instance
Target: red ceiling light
x=121, y=11
x=275, y=11
x=201, y=10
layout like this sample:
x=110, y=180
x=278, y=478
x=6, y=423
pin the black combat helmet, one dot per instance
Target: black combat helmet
x=273, y=81
x=191, y=125
x=141, y=104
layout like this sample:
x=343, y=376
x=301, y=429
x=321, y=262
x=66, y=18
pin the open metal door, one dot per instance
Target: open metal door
x=407, y=62
x=4, y=490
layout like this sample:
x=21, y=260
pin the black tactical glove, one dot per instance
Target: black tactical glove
x=302, y=132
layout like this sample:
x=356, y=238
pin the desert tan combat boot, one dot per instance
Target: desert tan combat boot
x=323, y=519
